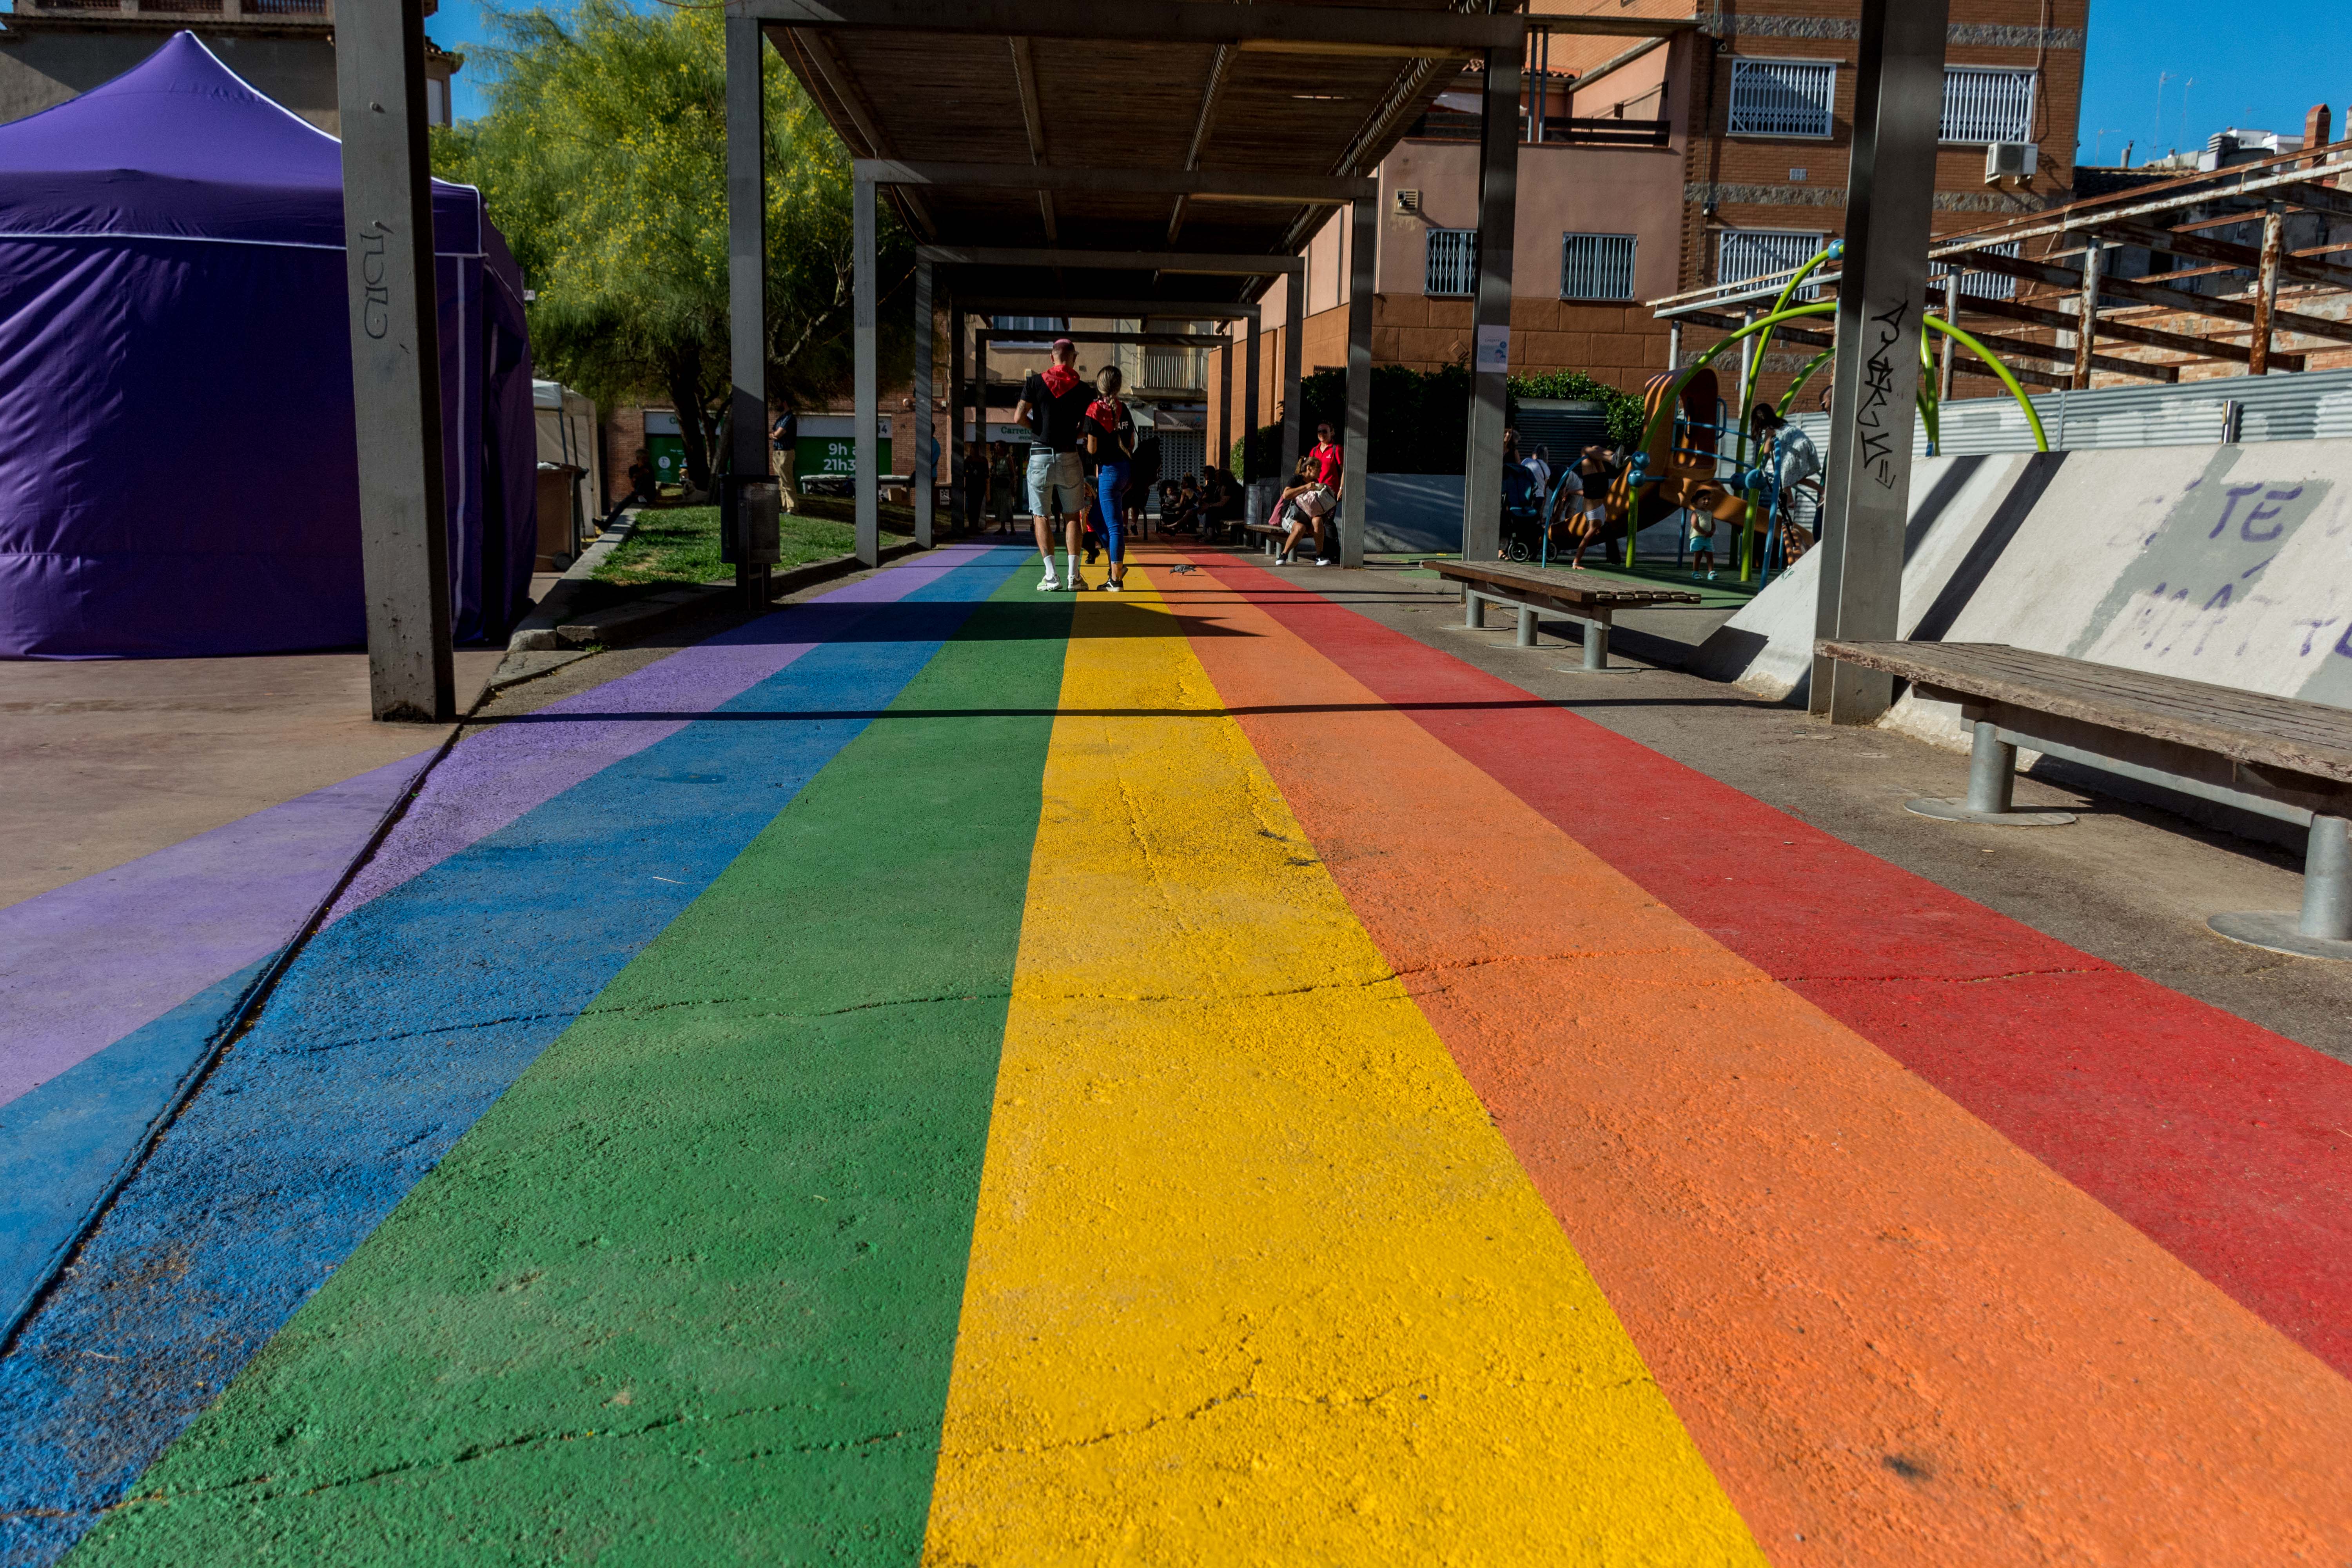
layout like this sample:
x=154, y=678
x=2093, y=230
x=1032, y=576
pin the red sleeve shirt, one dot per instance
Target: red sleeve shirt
x=1326, y=462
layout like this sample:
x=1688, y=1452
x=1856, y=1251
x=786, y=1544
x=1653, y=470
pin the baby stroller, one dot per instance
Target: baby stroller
x=1523, y=522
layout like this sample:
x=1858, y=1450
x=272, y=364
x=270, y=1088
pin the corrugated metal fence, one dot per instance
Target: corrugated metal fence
x=2309, y=406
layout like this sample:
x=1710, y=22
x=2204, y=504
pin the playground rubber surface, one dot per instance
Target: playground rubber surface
x=951, y=1074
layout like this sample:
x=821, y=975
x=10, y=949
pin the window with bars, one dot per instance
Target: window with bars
x=1744, y=253
x=1596, y=266
x=1782, y=97
x=1983, y=104
x=1980, y=285
x=1453, y=267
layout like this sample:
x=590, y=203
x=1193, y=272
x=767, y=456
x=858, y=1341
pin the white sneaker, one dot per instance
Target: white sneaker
x=1049, y=584
x=1327, y=563
x=1112, y=587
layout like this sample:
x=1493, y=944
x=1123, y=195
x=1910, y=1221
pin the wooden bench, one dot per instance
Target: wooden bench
x=2274, y=756
x=1586, y=598
x=1269, y=536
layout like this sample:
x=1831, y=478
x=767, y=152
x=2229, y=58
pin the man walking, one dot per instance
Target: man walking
x=1053, y=402
x=787, y=434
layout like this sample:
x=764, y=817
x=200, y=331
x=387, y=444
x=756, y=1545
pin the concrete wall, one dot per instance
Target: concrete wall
x=40, y=68
x=2226, y=565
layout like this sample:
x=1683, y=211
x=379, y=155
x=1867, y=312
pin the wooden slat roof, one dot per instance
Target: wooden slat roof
x=955, y=98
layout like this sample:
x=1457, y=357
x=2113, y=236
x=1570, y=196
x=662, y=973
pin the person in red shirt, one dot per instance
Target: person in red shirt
x=1329, y=459
x=1108, y=429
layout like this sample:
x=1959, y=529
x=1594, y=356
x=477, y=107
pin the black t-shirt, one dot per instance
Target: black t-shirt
x=1057, y=417
x=787, y=428
x=1114, y=433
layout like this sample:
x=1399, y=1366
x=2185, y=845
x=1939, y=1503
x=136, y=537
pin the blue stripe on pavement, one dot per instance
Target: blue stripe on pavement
x=388, y=1036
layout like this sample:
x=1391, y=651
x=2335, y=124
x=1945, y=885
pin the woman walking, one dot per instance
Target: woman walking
x=1109, y=431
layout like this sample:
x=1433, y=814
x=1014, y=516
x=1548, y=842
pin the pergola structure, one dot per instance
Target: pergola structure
x=1172, y=155
x=2062, y=311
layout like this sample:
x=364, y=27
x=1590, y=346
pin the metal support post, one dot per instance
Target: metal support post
x=1596, y=644
x=750, y=496
x=396, y=361
x=2266, y=287
x=1490, y=353
x=1249, y=398
x=1947, y=348
x=1223, y=455
x=1992, y=769
x=1356, y=466
x=2086, y=314
x=1294, y=293
x=959, y=451
x=980, y=404
x=1992, y=800
x=1898, y=98
x=1746, y=380
x=867, y=480
x=926, y=432
x=2327, y=881
x=1673, y=345
x=1474, y=611
x=2323, y=929
x=1526, y=636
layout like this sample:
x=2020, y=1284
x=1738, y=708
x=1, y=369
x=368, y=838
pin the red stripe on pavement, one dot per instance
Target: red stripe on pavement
x=2224, y=1141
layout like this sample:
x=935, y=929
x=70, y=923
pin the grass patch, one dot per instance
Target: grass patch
x=680, y=543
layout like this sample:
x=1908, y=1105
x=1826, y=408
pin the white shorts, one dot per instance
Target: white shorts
x=1058, y=484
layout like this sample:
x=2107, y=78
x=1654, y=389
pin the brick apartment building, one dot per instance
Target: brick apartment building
x=52, y=51
x=1650, y=167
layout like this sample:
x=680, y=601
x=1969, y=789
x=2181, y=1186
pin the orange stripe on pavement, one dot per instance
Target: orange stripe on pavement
x=1897, y=1337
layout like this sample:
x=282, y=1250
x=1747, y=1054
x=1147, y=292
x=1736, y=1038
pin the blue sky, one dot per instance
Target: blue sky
x=2260, y=65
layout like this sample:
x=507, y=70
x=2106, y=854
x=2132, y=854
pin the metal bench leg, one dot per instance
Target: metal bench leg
x=1474, y=612
x=1596, y=644
x=1527, y=637
x=1993, y=771
x=2327, y=880
x=1992, y=788
x=2324, y=929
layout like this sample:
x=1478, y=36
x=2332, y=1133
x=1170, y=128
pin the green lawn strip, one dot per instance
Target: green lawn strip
x=680, y=543
x=689, y=1292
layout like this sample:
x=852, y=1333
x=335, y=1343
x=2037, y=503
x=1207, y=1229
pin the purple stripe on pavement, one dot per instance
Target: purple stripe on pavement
x=494, y=775
x=85, y=965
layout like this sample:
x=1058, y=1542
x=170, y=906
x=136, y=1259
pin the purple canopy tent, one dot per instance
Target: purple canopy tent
x=178, y=464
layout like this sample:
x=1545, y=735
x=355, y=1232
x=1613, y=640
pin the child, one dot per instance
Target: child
x=1702, y=542
x=1109, y=428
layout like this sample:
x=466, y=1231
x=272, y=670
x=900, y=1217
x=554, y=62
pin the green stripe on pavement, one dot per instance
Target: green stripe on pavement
x=689, y=1292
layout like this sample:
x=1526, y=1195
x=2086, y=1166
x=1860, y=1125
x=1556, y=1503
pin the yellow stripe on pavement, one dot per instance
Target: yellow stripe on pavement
x=1253, y=1278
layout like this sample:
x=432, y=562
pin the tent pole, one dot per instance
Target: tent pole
x=396, y=361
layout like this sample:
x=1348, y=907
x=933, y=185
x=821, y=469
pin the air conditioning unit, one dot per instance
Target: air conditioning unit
x=2010, y=161
x=1408, y=203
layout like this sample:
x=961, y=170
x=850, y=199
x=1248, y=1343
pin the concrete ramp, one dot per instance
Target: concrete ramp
x=1964, y=511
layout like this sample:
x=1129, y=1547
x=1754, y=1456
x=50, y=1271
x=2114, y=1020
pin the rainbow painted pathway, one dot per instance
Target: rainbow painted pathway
x=953, y=1075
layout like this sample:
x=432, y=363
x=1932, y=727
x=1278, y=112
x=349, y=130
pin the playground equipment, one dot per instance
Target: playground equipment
x=1677, y=463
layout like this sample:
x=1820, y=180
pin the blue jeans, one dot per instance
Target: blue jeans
x=1110, y=487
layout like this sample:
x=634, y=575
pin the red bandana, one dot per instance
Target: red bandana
x=1059, y=379
x=1104, y=412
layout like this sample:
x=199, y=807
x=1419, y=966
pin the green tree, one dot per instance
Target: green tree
x=603, y=160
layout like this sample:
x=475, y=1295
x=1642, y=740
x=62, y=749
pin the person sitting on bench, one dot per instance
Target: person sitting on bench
x=1307, y=502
